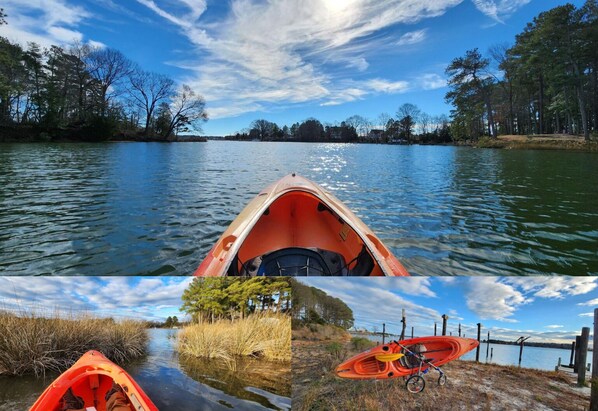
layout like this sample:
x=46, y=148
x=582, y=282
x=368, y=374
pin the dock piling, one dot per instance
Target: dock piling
x=444, y=320
x=404, y=321
x=477, y=350
x=583, y=354
x=383, y=332
x=576, y=358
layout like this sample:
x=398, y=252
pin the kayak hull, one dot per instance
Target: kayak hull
x=90, y=378
x=297, y=214
x=438, y=350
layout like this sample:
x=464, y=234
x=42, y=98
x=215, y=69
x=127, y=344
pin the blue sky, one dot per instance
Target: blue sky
x=286, y=60
x=143, y=298
x=550, y=309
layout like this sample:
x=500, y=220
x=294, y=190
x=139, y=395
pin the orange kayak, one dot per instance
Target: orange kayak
x=90, y=378
x=380, y=363
x=295, y=227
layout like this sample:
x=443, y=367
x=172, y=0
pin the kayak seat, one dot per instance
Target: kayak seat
x=413, y=361
x=296, y=261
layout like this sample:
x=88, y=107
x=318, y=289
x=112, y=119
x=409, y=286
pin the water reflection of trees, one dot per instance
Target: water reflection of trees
x=236, y=379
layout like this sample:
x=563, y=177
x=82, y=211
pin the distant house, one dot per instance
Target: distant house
x=376, y=134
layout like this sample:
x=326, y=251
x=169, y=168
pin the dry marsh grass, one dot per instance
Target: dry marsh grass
x=263, y=336
x=32, y=344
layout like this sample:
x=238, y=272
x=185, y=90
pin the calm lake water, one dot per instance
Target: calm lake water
x=151, y=208
x=174, y=383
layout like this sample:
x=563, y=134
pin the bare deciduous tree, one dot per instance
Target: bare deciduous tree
x=383, y=120
x=108, y=67
x=147, y=90
x=186, y=109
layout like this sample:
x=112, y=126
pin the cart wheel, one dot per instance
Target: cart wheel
x=415, y=384
x=442, y=379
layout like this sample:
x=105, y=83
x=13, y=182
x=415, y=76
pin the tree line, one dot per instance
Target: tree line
x=226, y=297
x=409, y=124
x=546, y=82
x=312, y=305
x=85, y=92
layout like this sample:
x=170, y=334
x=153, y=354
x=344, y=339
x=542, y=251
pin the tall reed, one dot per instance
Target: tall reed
x=32, y=344
x=265, y=336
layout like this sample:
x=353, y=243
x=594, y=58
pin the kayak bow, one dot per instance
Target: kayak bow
x=90, y=378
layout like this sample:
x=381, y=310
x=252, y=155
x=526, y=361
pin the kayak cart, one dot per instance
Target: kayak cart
x=415, y=383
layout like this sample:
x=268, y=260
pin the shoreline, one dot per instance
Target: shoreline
x=555, y=142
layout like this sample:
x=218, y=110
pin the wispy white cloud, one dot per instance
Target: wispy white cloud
x=45, y=22
x=555, y=326
x=431, y=81
x=499, y=9
x=412, y=37
x=591, y=302
x=240, y=65
x=490, y=298
x=555, y=287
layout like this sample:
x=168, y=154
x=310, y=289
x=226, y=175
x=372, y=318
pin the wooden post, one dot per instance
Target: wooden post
x=521, y=340
x=477, y=350
x=383, y=332
x=404, y=321
x=411, y=332
x=487, y=345
x=491, y=353
x=435, y=328
x=576, y=359
x=444, y=319
x=594, y=396
x=459, y=329
x=572, y=354
x=583, y=355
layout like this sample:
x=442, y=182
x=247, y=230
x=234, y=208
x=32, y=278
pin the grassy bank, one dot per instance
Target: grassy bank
x=470, y=386
x=320, y=332
x=31, y=344
x=263, y=336
x=538, y=142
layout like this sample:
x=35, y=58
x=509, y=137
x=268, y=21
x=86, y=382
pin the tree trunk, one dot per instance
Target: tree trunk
x=581, y=102
x=541, y=106
x=511, y=114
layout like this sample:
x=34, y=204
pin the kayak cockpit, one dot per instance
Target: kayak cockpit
x=299, y=235
x=297, y=261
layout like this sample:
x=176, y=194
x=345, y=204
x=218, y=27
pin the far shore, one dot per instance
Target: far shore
x=508, y=142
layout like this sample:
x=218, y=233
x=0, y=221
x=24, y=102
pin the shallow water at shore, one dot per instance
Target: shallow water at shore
x=173, y=383
x=151, y=208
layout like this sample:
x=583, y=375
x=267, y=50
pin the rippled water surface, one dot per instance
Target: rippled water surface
x=151, y=208
x=178, y=384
